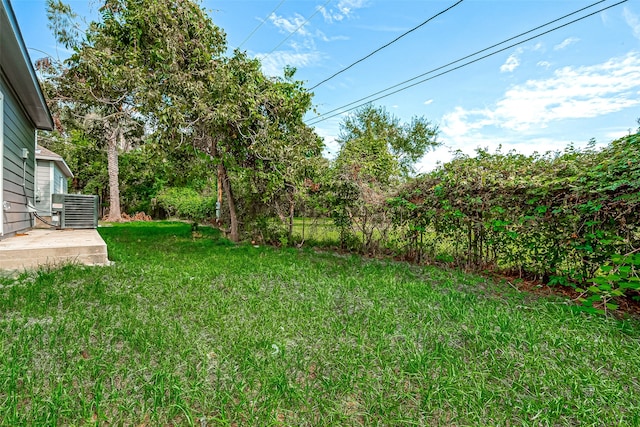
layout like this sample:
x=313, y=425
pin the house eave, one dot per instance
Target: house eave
x=59, y=161
x=16, y=67
x=64, y=168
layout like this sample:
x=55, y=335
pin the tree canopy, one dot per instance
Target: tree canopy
x=161, y=64
x=375, y=146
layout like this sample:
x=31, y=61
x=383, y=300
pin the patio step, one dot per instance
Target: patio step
x=38, y=248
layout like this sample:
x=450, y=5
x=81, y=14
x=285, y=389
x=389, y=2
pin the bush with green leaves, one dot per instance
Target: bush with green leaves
x=187, y=203
x=618, y=277
x=558, y=217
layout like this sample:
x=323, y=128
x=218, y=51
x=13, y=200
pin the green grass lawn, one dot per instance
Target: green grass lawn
x=184, y=331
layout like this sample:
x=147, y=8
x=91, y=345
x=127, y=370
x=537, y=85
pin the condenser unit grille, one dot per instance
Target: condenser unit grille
x=76, y=210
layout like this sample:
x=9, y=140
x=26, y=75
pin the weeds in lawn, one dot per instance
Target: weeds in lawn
x=197, y=331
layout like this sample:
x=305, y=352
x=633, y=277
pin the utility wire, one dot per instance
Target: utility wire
x=300, y=26
x=387, y=45
x=260, y=24
x=460, y=60
x=326, y=116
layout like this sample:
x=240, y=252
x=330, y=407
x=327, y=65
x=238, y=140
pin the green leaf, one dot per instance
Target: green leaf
x=624, y=269
x=629, y=285
x=600, y=280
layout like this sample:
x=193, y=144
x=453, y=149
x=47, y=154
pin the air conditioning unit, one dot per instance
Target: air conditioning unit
x=75, y=210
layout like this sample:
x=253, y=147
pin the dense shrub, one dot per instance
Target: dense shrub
x=187, y=203
x=559, y=217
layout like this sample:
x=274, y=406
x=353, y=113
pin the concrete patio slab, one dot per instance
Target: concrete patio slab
x=39, y=247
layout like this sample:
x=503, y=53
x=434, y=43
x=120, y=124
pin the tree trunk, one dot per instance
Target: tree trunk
x=112, y=166
x=233, y=215
x=292, y=206
x=225, y=185
x=219, y=200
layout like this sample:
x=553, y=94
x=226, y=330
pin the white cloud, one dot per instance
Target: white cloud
x=632, y=21
x=289, y=25
x=319, y=34
x=461, y=121
x=430, y=160
x=331, y=147
x=328, y=17
x=272, y=64
x=510, y=64
x=344, y=9
x=428, y=102
x=572, y=93
x=566, y=43
x=303, y=29
x=544, y=64
x=304, y=44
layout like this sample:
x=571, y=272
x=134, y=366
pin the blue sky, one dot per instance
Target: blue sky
x=576, y=83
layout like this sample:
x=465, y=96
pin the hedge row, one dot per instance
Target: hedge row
x=565, y=217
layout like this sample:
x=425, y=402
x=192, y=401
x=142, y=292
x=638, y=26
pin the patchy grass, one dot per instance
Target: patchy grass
x=319, y=231
x=188, y=331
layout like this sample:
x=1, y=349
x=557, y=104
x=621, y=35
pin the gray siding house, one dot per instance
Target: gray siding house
x=23, y=110
x=52, y=176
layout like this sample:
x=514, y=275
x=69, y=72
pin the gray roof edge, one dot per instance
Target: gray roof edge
x=24, y=81
x=64, y=167
x=61, y=164
x=58, y=160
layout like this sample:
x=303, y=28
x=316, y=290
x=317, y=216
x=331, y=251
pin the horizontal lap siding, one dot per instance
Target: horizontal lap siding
x=59, y=181
x=18, y=134
x=43, y=201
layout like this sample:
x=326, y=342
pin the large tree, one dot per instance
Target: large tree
x=261, y=140
x=177, y=50
x=98, y=84
x=250, y=124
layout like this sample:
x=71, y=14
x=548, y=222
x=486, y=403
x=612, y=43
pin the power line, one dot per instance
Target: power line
x=300, y=26
x=461, y=59
x=260, y=24
x=387, y=45
x=326, y=116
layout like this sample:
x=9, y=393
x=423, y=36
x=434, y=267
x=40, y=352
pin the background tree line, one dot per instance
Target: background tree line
x=154, y=115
